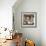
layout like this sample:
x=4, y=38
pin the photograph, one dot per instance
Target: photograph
x=28, y=19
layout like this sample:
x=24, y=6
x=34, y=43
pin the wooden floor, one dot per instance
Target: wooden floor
x=9, y=43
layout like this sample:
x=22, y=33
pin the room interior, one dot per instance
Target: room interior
x=12, y=30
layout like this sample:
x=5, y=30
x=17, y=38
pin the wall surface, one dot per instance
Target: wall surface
x=43, y=22
x=29, y=33
x=37, y=34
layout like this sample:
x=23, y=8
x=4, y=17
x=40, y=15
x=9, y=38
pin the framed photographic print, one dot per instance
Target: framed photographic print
x=29, y=19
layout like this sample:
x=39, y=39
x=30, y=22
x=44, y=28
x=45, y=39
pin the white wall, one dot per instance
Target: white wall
x=38, y=34
x=29, y=6
x=6, y=13
x=43, y=22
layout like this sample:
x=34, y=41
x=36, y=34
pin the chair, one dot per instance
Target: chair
x=29, y=43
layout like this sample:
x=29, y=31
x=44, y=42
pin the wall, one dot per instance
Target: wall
x=43, y=22
x=28, y=6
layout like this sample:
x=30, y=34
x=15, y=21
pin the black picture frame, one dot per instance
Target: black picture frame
x=29, y=19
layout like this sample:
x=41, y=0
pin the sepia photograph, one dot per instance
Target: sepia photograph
x=28, y=19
